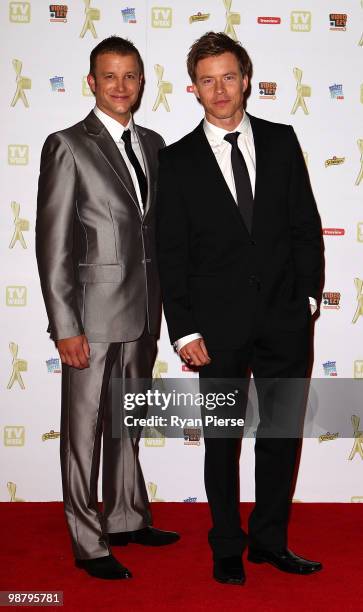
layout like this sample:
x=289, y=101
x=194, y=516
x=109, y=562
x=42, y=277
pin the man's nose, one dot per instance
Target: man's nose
x=220, y=86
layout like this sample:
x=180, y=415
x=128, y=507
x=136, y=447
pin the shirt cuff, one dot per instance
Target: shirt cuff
x=178, y=344
x=313, y=305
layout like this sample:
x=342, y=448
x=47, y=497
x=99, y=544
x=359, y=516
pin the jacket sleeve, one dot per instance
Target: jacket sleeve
x=56, y=209
x=305, y=225
x=172, y=243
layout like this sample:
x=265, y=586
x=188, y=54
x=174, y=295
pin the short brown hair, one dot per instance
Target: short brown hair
x=115, y=44
x=216, y=43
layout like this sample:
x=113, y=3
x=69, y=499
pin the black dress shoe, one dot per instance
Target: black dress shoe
x=286, y=561
x=107, y=568
x=149, y=536
x=229, y=570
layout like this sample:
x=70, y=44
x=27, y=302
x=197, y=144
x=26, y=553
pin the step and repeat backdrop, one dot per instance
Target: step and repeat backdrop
x=307, y=59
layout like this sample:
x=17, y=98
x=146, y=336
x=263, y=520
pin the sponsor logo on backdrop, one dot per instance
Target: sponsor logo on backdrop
x=328, y=437
x=91, y=15
x=190, y=89
x=269, y=20
x=19, y=12
x=331, y=300
x=190, y=500
x=358, y=368
x=192, y=436
x=160, y=367
x=18, y=155
x=360, y=173
x=360, y=231
x=154, y=438
x=22, y=83
x=164, y=88
x=57, y=84
x=161, y=17
x=358, y=438
x=333, y=231
x=18, y=366
x=50, y=435
x=302, y=92
x=54, y=365
x=336, y=92
x=128, y=15
x=16, y=296
x=267, y=90
x=358, y=283
x=232, y=19
x=338, y=21
x=334, y=161
x=58, y=13
x=86, y=90
x=20, y=226
x=11, y=486
x=152, y=488
x=330, y=368
x=357, y=499
x=300, y=21
x=14, y=435
x=199, y=17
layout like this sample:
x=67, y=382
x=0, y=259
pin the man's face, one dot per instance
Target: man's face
x=220, y=86
x=116, y=84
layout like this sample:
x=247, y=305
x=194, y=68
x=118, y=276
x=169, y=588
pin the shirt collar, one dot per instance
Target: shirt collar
x=216, y=134
x=115, y=128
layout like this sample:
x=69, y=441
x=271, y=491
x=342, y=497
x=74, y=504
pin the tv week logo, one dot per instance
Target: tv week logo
x=18, y=155
x=161, y=17
x=300, y=21
x=14, y=435
x=19, y=12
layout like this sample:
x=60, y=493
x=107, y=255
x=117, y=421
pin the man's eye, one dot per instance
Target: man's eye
x=130, y=76
x=207, y=81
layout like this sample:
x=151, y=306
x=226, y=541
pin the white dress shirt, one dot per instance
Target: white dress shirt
x=116, y=131
x=222, y=151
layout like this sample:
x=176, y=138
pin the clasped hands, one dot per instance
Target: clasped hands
x=195, y=353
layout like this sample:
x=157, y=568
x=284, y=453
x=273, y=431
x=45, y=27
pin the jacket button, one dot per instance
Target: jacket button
x=253, y=242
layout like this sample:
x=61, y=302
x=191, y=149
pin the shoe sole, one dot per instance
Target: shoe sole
x=231, y=581
x=259, y=560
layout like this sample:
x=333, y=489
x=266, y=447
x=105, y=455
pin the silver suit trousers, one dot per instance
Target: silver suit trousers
x=86, y=415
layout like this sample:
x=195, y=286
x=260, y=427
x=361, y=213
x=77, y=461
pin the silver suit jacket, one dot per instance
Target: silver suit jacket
x=95, y=249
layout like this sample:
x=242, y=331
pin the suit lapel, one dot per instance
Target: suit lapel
x=111, y=153
x=261, y=154
x=210, y=168
x=147, y=155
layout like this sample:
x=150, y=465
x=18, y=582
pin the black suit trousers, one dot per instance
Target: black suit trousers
x=270, y=355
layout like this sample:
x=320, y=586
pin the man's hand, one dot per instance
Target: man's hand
x=74, y=351
x=195, y=353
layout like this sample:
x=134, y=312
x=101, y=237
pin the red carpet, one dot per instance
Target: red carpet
x=36, y=555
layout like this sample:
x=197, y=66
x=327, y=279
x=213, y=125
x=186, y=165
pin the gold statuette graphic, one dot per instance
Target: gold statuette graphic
x=360, y=173
x=92, y=14
x=164, y=87
x=303, y=91
x=51, y=435
x=232, y=20
x=19, y=365
x=152, y=488
x=359, y=311
x=21, y=84
x=361, y=38
x=21, y=225
x=12, y=492
x=358, y=438
x=160, y=367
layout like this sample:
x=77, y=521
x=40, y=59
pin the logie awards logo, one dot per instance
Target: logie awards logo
x=358, y=439
x=164, y=87
x=92, y=14
x=232, y=19
x=11, y=486
x=18, y=366
x=302, y=92
x=360, y=173
x=20, y=226
x=359, y=295
x=22, y=83
x=152, y=488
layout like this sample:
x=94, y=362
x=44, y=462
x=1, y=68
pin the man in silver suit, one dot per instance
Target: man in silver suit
x=97, y=266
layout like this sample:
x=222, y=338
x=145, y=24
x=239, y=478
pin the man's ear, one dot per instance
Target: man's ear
x=195, y=90
x=245, y=82
x=91, y=82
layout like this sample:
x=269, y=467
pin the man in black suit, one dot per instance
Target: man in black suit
x=240, y=258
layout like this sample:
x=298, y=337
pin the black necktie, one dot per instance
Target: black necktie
x=241, y=180
x=141, y=178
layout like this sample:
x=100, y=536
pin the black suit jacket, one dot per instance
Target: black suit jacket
x=216, y=278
